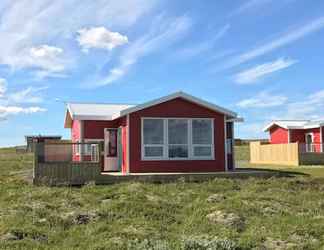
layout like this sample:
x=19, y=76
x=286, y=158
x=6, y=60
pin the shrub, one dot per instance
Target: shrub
x=205, y=243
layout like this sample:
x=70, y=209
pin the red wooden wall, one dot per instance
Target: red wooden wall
x=278, y=135
x=176, y=108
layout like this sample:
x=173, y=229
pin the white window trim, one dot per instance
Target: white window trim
x=191, y=146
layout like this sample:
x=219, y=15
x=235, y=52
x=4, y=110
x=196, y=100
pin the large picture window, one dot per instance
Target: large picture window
x=177, y=138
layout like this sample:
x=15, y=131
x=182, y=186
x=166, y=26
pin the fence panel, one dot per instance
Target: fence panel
x=67, y=163
x=277, y=154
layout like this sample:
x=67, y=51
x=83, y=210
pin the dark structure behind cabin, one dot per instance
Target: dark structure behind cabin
x=32, y=139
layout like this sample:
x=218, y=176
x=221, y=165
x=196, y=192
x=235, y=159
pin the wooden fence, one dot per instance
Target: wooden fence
x=66, y=173
x=53, y=165
x=292, y=154
x=276, y=154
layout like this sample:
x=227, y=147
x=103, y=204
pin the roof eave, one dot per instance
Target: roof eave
x=180, y=95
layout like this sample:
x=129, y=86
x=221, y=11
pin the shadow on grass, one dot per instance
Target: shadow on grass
x=278, y=171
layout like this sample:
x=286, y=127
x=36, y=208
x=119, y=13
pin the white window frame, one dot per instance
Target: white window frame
x=311, y=148
x=77, y=148
x=165, y=139
x=89, y=142
x=165, y=144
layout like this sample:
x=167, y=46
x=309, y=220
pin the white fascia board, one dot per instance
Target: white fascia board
x=181, y=95
x=265, y=129
x=238, y=119
x=92, y=118
x=67, y=118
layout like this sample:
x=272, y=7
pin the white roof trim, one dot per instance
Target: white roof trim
x=95, y=111
x=303, y=124
x=181, y=95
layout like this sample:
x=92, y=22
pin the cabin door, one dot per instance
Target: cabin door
x=309, y=142
x=111, y=162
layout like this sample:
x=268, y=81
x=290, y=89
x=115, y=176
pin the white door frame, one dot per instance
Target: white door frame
x=309, y=148
x=111, y=163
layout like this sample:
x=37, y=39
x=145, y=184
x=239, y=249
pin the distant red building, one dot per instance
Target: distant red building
x=175, y=133
x=305, y=132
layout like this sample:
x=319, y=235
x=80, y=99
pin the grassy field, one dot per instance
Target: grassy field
x=242, y=155
x=285, y=213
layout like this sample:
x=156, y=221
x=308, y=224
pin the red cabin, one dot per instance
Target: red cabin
x=307, y=133
x=175, y=133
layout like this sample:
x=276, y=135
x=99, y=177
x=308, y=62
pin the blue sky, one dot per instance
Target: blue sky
x=261, y=58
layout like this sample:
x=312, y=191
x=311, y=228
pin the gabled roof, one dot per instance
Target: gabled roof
x=93, y=111
x=107, y=112
x=182, y=95
x=294, y=124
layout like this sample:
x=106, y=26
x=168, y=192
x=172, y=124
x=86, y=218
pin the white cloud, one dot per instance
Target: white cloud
x=3, y=87
x=164, y=31
x=45, y=51
x=252, y=75
x=9, y=100
x=204, y=46
x=15, y=110
x=263, y=100
x=310, y=107
x=27, y=24
x=100, y=38
x=28, y=95
x=287, y=38
x=248, y=5
x=251, y=130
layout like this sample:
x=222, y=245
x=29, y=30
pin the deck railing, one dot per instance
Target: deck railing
x=68, y=152
x=311, y=148
x=67, y=163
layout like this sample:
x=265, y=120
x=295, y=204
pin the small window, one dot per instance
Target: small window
x=202, y=151
x=153, y=138
x=202, y=138
x=94, y=152
x=178, y=151
x=153, y=131
x=153, y=151
x=201, y=132
x=178, y=138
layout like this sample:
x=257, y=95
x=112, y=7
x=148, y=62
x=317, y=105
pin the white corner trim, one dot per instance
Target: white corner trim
x=128, y=144
x=233, y=147
x=225, y=144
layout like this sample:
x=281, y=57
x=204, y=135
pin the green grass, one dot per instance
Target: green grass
x=242, y=155
x=285, y=212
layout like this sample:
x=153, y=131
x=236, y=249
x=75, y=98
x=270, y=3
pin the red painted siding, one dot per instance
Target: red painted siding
x=75, y=137
x=95, y=130
x=176, y=108
x=297, y=135
x=75, y=131
x=278, y=135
